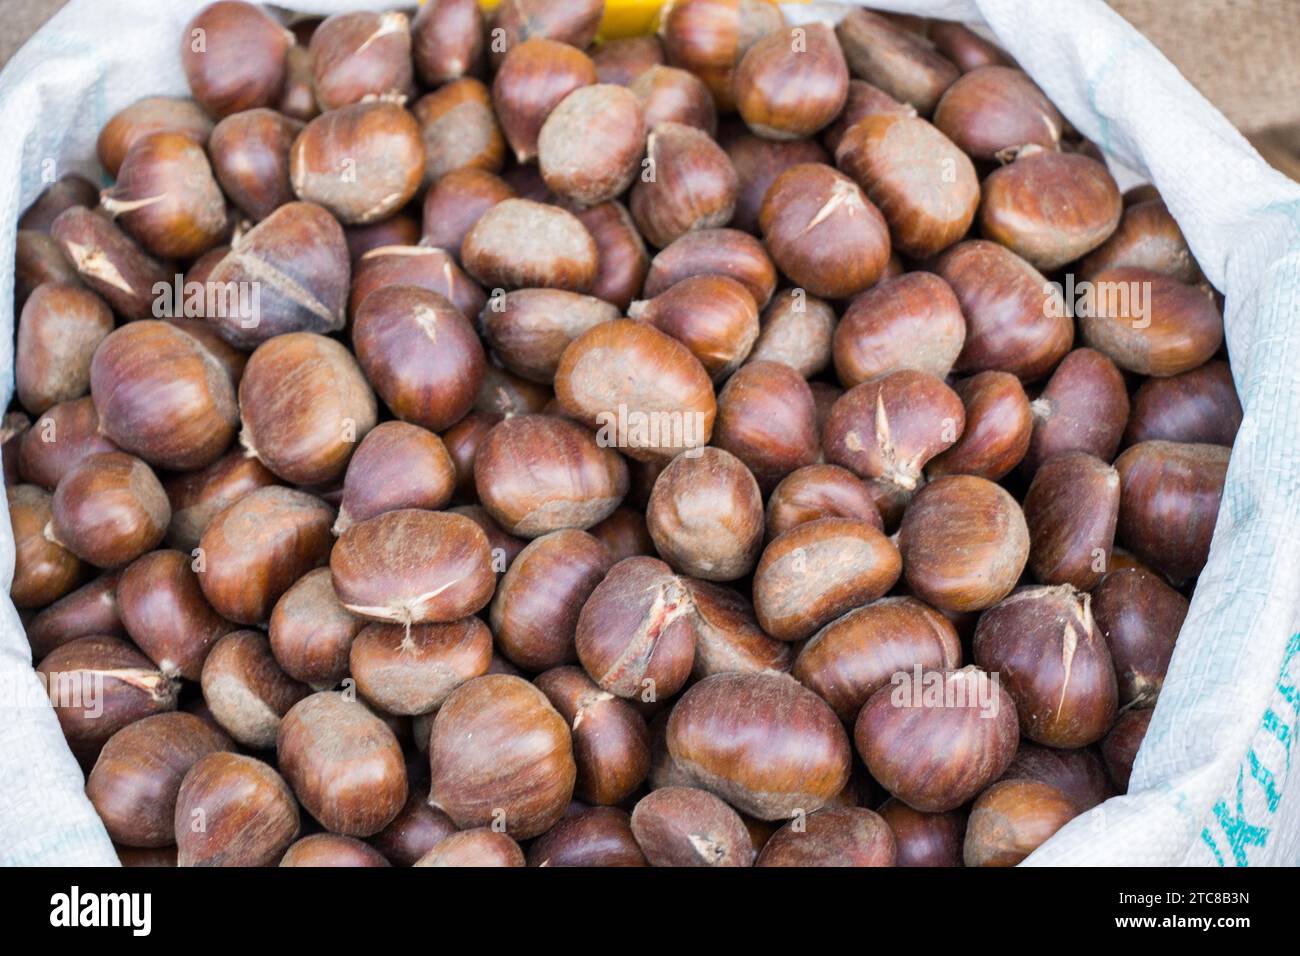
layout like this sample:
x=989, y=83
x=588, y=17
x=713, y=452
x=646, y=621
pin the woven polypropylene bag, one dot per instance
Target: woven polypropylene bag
x=1212, y=782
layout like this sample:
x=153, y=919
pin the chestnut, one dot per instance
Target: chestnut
x=420, y=354
x=589, y=149
x=611, y=745
x=529, y=329
x=58, y=332
x=258, y=547
x=233, y=54
x=1120, y=748
x=536, y=474
x=833, y=836
x=412, y=670
x=624, y=534
x=706, y=515
x=712, y=315
x=725, y=252
x=359, y=55
x=88, y=611
x=531, y=81
x=232, y=810
x=887, y=429
x=767, y=745
x=413, y=567
x=727, y=635
x=163, y=396
x=995, y=108
x=199, y=496
x=250, y=156
x=823, y=232
x=520, y=243
x=1140, y=617
x=504, y=547
x=167, y=197
x=134, y=783
x=447, y=40
x=767, y=419
x=400, y=229
x=999, y=425
x=622, y=59
x=13, y=426
x=108, y=261
x=378, y=147
x=535, y=610
x=462, y=442
x=311, y=632
x=40, y=258
x=796, y=330
x=684, y=826
x=246, y=690
x=109, y=509
x=1083, y=407
x=575, y=22
x=305, y=404
x=1071, y=509
x=396, y=466
x=477, y=847
x=994, y=539
x=44, y=570
x=1169, y=503
x=1012, y=819
x=1050, y=208
x=1149, y=238
x=297, y=260
x=500, y=754
x=202, y=331
x=644, y=391
x=1054, y=663
x=416, y=830
x=819, y=491
x=64, y=193
x=670, y=95
x=923, y=839
x=937, y=738
x=1200, y=407
x=330, y=849
x=459, y=129
x=792, y=83
x=297, y=99
x=504, y=394
x=454, y=203
x=98, y=685
x=635, y=634
x=1015, y=319
x=709, y=37
x=1151, y=324
x=864, y=99
x=687, y=183
x=164, y=611
x=1078, y=773
x=596, y=836
x=910, y=321
x=966, y=48
x=900, y=62
x=343, y=763
x=855, y=655
x=622, y=262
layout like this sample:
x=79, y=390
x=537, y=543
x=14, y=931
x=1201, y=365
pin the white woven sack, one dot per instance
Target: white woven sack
x=1212, y=782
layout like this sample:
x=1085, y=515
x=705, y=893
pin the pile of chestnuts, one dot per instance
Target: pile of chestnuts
x=450, y=440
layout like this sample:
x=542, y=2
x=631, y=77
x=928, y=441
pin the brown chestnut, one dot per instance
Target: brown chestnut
x=966, y=48
x=855, y=655
x=529, y=329
x=767, y=419
x=109, y=509
x=1120, y=748
x=796, y=330
x=709, y=37
x=447, y=40
x=501, y=755
x=620, y=251
x=935, y=739
x=63, y=436
x=726, y=252
x=477, y=847
x=833, y=836
x=232, y=810
x=624, y=534
x=727, y=635
x=396, y=466
x=596, y=836
x=1169, y=503
x=64, y=193
x=343, y=763
x=923, y=839
x=670, y=95
x=706, y=515
x=590, y=147
x=164, y=611
x=199, y=496
x=311, y=632
x=999, y=424
x=1200, y=407
x=635, y=634
x=40, y=258
x=792, y=83
x=250, y=156
x=412, y=670
x=994, y=543
x=362, y=162
x=399, y=229
x=416, y=830
x=233, y=54
x=44, y=570
x=89, y=610
x=622, y=59
x=134, y=783
x=359, y=55
x=823, y=232
x=1083, y=407
x=305, y=404
x=504, y=394
x=1140, y=617
x=1078, y=773
x=894, y=58
x=819, y=491
x=1012, y=819
x=864, y=99
x=252, y=552
x=460, y=130
x=153, y=114
x=58, y=332
x=911, y=321
x=1054, y=663
x=763, y=742
x=520, y=243
x=531, y=81
x=330, y=849
x=246, y=690
x=1071, y=509
x=427, y=268
x=995, y=108
x=1147, y=237
x=108, y=261
x=683, y=826
x=712, y=315
x=686, y=183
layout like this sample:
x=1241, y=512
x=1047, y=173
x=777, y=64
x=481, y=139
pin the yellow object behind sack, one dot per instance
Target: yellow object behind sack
x=623, y=18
